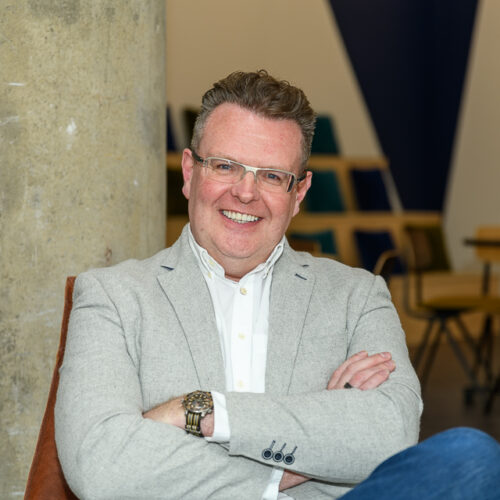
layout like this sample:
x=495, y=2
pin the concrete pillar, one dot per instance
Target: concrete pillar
x=82, y=178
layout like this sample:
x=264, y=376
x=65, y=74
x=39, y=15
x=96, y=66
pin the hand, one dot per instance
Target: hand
x=291, y=479
x=363, y=371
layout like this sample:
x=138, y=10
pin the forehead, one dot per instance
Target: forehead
x=242, y=135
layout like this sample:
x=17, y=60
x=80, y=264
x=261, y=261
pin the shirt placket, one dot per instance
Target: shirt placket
x=241, y=335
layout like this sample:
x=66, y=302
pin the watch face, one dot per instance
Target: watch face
x=199, y=402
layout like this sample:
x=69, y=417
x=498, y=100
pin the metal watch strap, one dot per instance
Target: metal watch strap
x=193, y=422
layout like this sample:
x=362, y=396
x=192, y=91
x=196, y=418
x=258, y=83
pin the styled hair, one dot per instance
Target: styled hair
x=264, y=95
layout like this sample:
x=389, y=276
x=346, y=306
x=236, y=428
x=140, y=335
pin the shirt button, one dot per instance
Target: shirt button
x=240, y=384
x=241, y=336
x=243, y=291
x=209, y=274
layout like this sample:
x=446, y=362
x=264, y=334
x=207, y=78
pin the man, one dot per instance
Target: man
x=229, y=366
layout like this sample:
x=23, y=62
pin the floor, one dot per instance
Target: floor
x=444, y=404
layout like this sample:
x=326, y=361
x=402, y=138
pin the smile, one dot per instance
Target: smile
x=239, y=217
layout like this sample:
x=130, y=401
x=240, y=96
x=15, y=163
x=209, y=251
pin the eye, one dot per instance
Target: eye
x=273, y=177
x=222, y=167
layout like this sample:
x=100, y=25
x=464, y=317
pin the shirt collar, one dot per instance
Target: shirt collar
x=210, y=265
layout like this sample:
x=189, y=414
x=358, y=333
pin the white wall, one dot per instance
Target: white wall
x=296, y=40
x=473, y=196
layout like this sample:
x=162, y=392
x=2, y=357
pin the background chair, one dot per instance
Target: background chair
x=324, y=194
x=46, y=480
x=372, y=246
x=325, y=139
x=388, y=262
x=317, y=243
x=425, y=253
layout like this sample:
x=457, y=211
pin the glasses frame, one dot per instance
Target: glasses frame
x=247, y=168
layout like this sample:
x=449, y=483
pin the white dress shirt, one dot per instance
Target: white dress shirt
x=241, y=313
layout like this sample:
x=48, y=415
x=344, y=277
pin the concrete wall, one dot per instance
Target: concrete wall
x=82, y=178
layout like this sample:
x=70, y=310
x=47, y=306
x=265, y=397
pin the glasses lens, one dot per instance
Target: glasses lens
x=273, y=180
x=224, y=170
x=231, y=172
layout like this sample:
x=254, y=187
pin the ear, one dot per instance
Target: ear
x=302, y=188
x=187, y=171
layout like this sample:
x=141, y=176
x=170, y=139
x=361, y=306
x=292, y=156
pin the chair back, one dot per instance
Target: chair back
x=46, y=480
x=386, y=264
x=425, y=252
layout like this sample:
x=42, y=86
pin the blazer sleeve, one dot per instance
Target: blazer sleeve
x=339, y=436
x=105, y=446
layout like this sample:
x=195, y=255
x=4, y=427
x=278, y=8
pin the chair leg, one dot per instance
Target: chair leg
x=461, y=356
x=423, y=344
x=431, y=355
x=465, y=333
x=491, y=396
x=484, y=349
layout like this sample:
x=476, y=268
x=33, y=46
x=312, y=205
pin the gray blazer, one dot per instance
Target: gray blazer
x=143, y=332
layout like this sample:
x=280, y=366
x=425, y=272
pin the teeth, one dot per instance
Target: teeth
x=239, y=217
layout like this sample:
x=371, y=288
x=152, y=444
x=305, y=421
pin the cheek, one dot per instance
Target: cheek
x=282, y=209
x=205, y=195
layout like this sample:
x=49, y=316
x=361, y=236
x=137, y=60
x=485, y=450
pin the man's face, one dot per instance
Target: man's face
x=238, y=134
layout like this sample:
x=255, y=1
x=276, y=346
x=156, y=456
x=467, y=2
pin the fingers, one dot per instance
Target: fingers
x=337, y=374
x=375, y=380
x=359, y=378
x=363, y=371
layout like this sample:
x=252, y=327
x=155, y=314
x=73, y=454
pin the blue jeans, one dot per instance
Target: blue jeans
x=460, y=463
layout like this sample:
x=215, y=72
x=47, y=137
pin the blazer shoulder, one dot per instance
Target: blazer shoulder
x=326, y=268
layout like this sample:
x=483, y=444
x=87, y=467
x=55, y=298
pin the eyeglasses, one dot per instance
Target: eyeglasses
x=231, y=172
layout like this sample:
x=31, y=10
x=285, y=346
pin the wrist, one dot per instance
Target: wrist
x=198, y=405
x=207, y=425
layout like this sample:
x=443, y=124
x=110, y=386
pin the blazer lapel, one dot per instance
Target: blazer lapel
x=290, y=295
x=185, y=288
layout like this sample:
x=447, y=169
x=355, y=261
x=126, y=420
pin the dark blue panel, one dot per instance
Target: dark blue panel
x=171, y=142
x=410, y=59
x=371, y=245
x=370, y=189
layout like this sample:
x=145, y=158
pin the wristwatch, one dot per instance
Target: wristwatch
x=197, y=404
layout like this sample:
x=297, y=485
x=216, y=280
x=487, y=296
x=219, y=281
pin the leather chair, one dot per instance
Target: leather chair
x=46, y=480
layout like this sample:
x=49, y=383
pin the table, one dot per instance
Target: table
x=488, y=250
x=485, y=244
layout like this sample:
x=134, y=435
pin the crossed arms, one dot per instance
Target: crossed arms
x=109, y=380
x=361, y=371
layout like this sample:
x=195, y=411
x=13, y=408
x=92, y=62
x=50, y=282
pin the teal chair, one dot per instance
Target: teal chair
x=324, y=195
x=313, y=242
x=325, y=139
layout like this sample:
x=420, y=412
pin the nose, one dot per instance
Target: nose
x=246, y=188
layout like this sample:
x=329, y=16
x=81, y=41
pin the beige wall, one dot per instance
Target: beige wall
x=473, y=196
x=298, y=40
x=294, y=39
